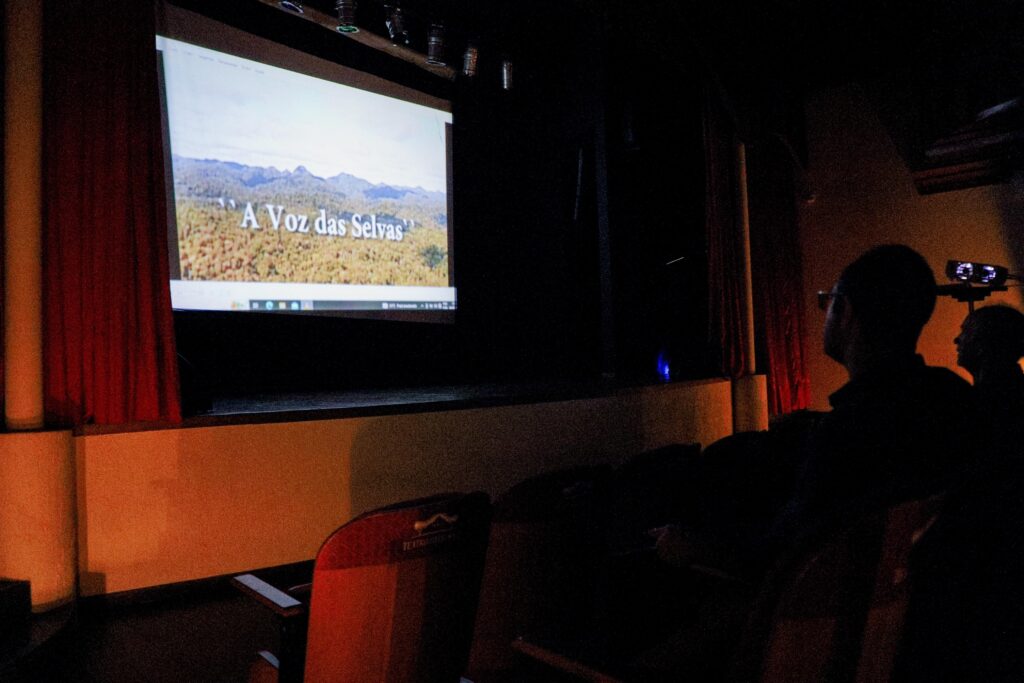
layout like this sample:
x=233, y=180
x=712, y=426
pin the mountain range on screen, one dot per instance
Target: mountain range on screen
x=214, y=178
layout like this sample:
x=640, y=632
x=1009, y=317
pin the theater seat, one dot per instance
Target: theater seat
x=651, y=489
x=393, y=597
x=837, y=611
x=541, y=574
x=832, y=611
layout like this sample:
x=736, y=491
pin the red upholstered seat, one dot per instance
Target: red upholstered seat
x=394, y=593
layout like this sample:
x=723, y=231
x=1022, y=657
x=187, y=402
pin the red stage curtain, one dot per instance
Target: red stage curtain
x=725, y=252
x=778, y=279
x=775, y=259
x=108, y=331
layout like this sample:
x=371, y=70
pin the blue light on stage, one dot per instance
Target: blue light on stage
x=664, y=370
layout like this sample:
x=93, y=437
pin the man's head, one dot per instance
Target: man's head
x=990, y=337
x=880, y=303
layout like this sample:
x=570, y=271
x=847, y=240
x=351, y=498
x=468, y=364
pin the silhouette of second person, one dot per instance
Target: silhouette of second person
x=989, y=346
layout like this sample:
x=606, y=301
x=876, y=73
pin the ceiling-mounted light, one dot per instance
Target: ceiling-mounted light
x=346, y=16
x=470, y=58
x=395, y=23
x=291, y=6
x=506, y=73
x=435, y=45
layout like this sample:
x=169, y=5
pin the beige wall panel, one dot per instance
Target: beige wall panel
x=37, y=514
x=166, y=506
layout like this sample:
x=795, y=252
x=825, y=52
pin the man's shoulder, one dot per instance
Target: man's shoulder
x=912, y=383
x=941, y=395
x=906, y=400
x=945, y=380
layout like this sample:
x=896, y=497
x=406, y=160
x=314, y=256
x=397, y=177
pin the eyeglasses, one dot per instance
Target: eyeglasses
x=824, y=298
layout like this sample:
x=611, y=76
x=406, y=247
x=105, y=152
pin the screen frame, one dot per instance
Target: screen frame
x=213, y=32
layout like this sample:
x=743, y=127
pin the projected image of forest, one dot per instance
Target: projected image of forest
x=259, y=224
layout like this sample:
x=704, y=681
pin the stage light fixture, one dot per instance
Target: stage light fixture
x=292, y=6
x=470, y=58
x=435, y=45
x=977, y=273
x=346, y=16
x=395, y=24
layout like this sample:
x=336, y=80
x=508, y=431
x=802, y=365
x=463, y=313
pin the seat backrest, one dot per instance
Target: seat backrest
x=836, y=610
x=547, y=538
x=395, y=592
x=650, y=489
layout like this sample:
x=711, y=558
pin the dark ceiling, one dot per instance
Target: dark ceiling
x=931, y=67
x=805, y=44
x=811, y=44
x=798, y=45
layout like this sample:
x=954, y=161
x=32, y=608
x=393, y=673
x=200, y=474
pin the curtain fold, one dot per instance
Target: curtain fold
x=778, y=276
x=775, y=258
x=108, y=348
x=725, y=250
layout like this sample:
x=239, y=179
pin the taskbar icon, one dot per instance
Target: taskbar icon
x=278, y=305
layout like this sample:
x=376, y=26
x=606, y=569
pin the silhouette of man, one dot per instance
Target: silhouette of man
x=898, y=429
x=989, y=346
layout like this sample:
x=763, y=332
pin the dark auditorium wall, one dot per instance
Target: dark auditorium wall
x=866, y=196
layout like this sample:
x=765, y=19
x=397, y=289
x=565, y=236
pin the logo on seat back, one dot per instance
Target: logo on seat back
x=425, y=524
x=432, y=532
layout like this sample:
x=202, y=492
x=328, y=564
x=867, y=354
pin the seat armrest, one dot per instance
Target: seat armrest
x=275, y=599
x=293, y=615
x=269, y=658
x=301, y=592
x=562, y=661
x=716, y=573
